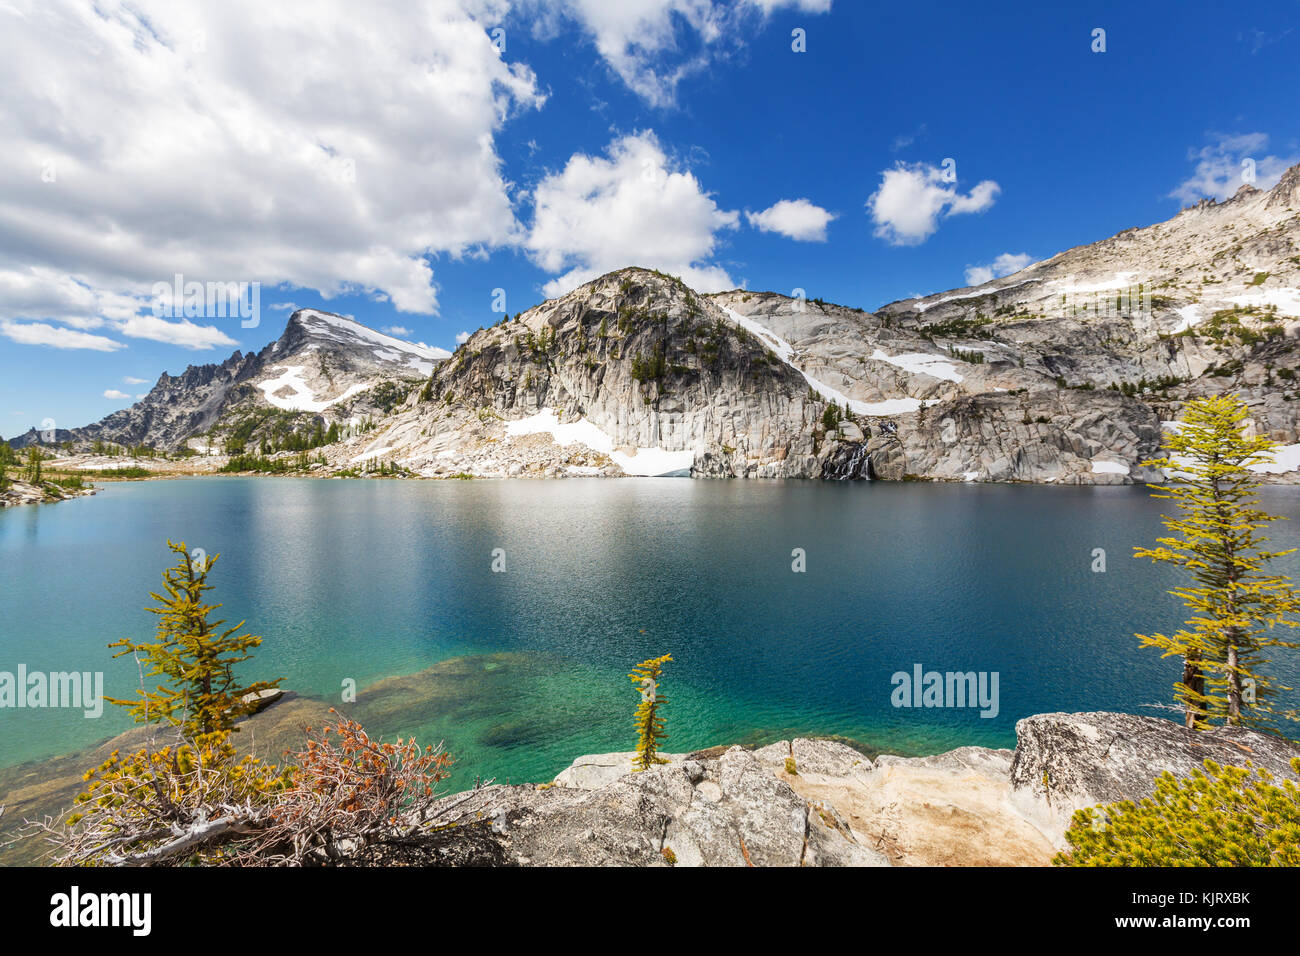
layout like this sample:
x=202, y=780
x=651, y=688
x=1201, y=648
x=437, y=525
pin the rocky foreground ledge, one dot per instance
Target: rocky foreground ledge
x=821, y=803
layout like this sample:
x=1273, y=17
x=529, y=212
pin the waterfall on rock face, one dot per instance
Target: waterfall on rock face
x=849, y=462
x=858, y=463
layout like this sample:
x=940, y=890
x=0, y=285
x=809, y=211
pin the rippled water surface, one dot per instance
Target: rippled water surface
x=521, y=671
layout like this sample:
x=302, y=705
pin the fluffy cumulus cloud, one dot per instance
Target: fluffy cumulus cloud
x=42, y=333
x=116, y=395
x=913, y=198
x=796, y=218
x=1003, y=265
x=652, y=45
x=629, y=207
x=291, y=143
x=462, y=338
x=1222, y=167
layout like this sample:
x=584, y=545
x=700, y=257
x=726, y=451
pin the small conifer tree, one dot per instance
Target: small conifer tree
x=193, y=655
x=34, y=456
x=649, y=721
x=1235, y=603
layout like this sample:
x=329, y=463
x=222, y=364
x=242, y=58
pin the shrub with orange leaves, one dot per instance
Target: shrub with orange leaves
x=352, y=792
x=200, y=802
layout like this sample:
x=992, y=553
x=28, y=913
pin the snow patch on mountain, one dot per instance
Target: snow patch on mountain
x=419, y=357
x=1121, y=280
x=1286, y=300
x=303, y=398
x=783, y=349
x=786, y=353
x=974, y=294
x=1285, y=458
x=1109, y=468
x=1189, y=315
x=644, y=462
x=922, y=363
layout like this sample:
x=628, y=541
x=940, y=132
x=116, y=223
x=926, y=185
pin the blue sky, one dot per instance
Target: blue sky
x=401, y=169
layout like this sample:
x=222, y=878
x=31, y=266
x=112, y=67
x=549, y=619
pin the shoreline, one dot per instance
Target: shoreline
x=811, y=801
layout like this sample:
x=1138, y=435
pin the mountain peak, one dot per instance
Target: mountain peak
x=1286, y=193
x=309, y=328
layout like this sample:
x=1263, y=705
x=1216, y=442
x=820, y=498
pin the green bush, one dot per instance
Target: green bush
x=1224, y=816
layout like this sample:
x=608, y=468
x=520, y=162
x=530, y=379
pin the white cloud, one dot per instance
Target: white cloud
x=652, y=45
x=40, y=292
x=130, y=380
x=398, y=330
x=912, y=198
x=1259, y=39
x=904, y=140
x=627, y=208
x=274, y=165
x=796, y=218
x=1219, y=170
x=284, y=307
x=41, y=333
x=802, y=6
x=181, y=332
x=115, y=394
x=1003, y=265
x=462, y=338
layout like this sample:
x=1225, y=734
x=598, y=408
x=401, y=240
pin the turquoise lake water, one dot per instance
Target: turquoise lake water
x=364, y=580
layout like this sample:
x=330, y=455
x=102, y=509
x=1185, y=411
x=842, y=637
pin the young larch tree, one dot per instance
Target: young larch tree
x=1215, y=538
x=195, y=656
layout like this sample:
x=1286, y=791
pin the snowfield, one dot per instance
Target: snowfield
x=420, y=358
x=1286, y=300
x=303, y=398
x=785, y=352
x=1286, y=458
x=981, y=291
x=921, y=363
x=1109, y=468
x=1122, y=280
x=1189, y=316
x=645, y=462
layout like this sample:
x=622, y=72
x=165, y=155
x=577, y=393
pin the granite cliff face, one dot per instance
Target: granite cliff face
x=632, y=373
x=1063, y=372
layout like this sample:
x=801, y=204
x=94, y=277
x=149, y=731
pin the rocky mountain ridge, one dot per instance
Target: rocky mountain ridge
x=322, y=366
x=1065, y=372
